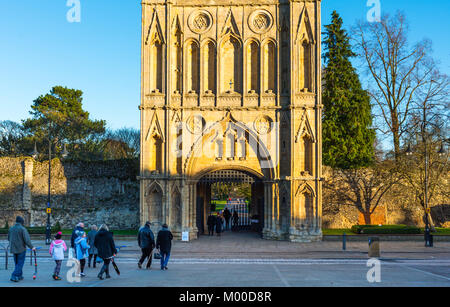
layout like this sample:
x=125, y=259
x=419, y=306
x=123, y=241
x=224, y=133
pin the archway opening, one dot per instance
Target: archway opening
x=239, y=192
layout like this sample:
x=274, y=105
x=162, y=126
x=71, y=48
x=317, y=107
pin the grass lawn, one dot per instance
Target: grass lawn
x=220, y=204
x=337, y=232
x=442, y=232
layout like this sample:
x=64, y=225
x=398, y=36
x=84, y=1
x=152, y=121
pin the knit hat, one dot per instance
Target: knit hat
x=58, y=235
x=20, y=220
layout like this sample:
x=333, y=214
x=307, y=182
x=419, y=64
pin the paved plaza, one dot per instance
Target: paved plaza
x=244, y=260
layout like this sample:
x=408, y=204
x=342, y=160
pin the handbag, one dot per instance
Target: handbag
x=157, y=255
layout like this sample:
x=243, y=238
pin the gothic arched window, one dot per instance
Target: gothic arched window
x=209, y=74
x=193, y=68
x=253, y=68
x=305, y=66
x=231, y=65
x=156, y=62
x=270, y=66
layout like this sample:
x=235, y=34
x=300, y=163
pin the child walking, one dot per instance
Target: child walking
x=57, y=249
x=82, y=250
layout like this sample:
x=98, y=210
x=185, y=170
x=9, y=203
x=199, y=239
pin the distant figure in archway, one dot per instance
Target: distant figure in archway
x=211, y=224
x=219, y=223
x=227, y=216
x=235, y=220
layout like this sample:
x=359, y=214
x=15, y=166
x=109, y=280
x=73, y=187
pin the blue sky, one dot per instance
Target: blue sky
x=101, y=54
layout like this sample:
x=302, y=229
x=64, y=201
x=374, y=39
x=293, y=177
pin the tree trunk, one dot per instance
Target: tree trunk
x=431, y=222
x=395, y=129
x=397, y=147
x=367, y=218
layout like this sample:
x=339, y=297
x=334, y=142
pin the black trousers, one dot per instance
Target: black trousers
x=227, y=223
x=90, y=259
x=147, y=253
x=82, y=264
x=235, y=224
x=210, y=230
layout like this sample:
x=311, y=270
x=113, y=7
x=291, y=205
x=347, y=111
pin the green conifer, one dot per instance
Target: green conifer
x=348, y=138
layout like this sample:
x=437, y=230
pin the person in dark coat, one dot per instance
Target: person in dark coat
x=211, y=224
x=219, y=223
x=19, y=239
x=146, y=241
x=227, y=216
x=79, y=227
x=164, y=244
x=92, y=250
x=235, y=219
x=104, y=243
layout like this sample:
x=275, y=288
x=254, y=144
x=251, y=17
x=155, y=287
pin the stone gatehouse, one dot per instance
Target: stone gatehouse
x=232, y=86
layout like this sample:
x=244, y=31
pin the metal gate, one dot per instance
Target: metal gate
x=241, y=207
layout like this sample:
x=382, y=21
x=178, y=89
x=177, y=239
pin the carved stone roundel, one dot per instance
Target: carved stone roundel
x=196, y=124
x=263, y=125
x=260, y=21
x=200, y=21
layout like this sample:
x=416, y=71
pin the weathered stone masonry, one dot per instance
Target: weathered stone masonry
x=92, y=192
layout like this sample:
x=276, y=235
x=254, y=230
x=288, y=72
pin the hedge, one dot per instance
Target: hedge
x=56, y=228
x=35, y=230
x=386, y=229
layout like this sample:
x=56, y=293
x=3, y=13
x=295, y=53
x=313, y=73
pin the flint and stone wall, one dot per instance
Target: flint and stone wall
x=91, y=192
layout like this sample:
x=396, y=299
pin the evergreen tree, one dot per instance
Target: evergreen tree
x=59, y=117
x=348, y=139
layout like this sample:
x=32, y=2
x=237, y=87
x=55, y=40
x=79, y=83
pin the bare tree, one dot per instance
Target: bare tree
x=425, y=168
x=125, y=140
x=397, y=70
x=362, y=188
x=11, y=138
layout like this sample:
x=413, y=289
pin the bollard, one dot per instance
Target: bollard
x=344, y=241
x=427, y=237
x=374, y=247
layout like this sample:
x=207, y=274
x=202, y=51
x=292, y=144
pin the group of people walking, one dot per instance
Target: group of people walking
x=96, y=244
x=85, y=247
x=216, y=222
x=146, y=241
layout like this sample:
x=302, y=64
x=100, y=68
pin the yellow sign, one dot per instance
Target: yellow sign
x=49, y=210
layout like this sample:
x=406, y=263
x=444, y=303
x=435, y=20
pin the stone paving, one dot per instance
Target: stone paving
x=225, y=273
x=250, y=246
x=245, y=260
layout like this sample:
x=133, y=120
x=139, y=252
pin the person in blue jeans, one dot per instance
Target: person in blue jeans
x=19, y=240
x=164, y=244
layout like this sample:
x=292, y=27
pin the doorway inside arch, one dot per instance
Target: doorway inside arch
x=239, y=192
